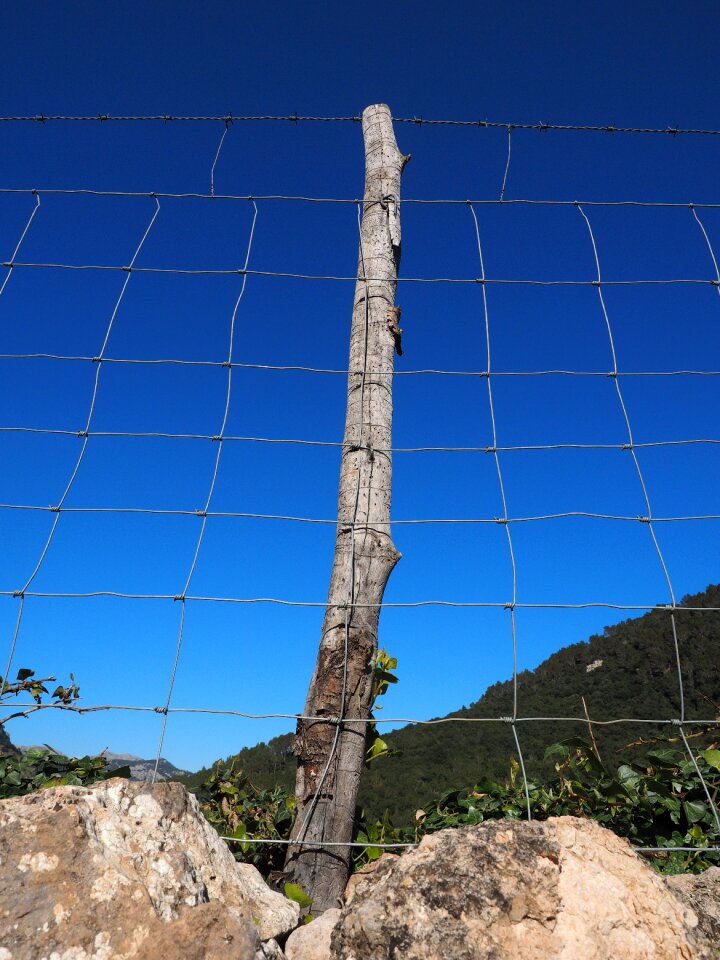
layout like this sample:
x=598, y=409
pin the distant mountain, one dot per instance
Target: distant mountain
x=139, y=769
x=627, y=671
x=143, y=769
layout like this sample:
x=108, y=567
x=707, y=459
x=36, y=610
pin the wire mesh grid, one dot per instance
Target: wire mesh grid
x=25, y=591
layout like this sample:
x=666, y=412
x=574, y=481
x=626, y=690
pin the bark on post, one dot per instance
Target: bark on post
x=330, y=754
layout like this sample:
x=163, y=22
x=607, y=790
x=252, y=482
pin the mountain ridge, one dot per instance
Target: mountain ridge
x=629, y=671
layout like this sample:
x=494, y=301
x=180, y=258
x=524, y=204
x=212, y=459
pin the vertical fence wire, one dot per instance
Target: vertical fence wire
x=83, y=434
x=204, y=512
x=503, y=498
x=11, y=263
x=646, y=498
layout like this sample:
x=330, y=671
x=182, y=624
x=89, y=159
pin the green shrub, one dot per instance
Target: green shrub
x=38, y=768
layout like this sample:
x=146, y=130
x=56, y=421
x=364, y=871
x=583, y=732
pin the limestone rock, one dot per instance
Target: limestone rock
x=565, y=889
x=357, y=878
x=126, y=870
x=701, y=892
x=312, y=941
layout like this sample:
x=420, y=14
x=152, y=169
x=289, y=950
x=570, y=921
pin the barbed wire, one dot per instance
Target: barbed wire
x=356, y=201
x=230, y=118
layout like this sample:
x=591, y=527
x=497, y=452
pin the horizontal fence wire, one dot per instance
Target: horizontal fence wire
x=470, y=604
x=433, y=721
x=485, y=284
x=236, y=364
x=230, y=118
x=238, y=514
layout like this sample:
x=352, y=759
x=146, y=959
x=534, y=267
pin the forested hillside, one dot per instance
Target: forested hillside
x=628, y=671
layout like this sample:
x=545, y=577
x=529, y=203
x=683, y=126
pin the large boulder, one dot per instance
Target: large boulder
x=565, y=889
x=125, y=870
x=701, y=892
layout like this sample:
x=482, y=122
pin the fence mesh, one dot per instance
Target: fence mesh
x=44, y=407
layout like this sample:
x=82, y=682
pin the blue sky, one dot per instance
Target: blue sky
x=515, y=62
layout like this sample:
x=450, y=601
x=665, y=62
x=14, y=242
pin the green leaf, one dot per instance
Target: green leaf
x=24, y=673
x=712, y=757
x=694, y=810
x=293, y=891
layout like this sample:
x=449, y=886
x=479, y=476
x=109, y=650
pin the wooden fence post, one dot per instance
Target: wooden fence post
x=330, y=753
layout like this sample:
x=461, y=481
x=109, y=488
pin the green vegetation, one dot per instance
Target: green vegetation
x=637, y=678
x=40, y=767
x=661, y=802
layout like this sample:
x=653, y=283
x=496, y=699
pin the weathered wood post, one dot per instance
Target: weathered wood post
x=330, y=753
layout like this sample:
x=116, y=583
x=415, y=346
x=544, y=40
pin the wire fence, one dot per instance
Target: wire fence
x=86, y=433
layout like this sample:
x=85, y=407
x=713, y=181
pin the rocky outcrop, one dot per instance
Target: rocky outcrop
x=564, y=889
x=701, y=892
x=125, y=870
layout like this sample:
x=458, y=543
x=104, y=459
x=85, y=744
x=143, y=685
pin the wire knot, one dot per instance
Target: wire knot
x=500, y=519
x=161, y=710
x=19, y=593
x=677, y=723
x=506, y=719
x=54, y=509
x=179, y=596
x=127, y=269
x=490, y=449
x=510, y=605
x=83, y=433
x=217, y=439
x=226, y=363
x=644, y=519
x=626, y=446
x=96, y=359
x=201, y=513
